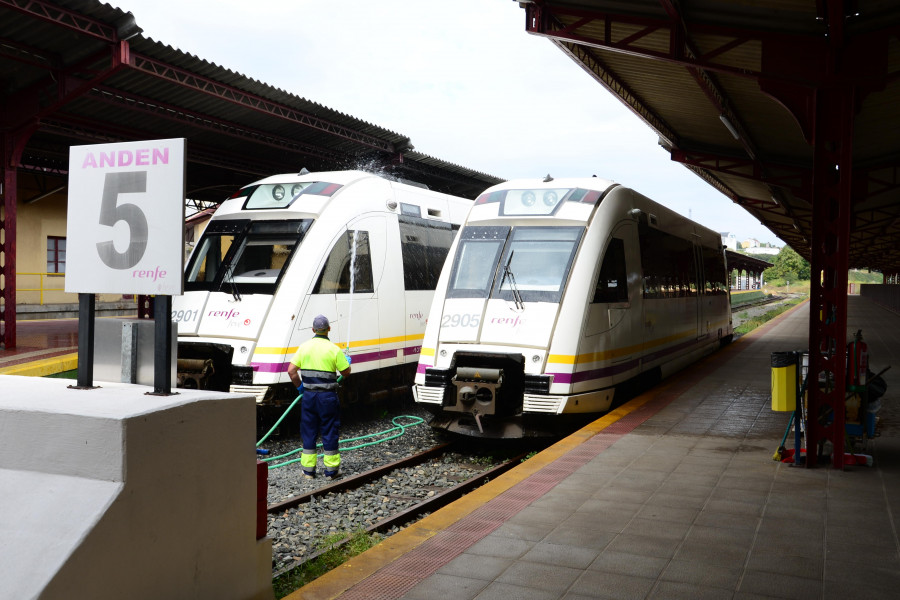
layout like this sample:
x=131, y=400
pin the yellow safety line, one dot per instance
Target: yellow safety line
x=44, y=367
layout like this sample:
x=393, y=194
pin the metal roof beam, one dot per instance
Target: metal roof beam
x=208, y=123
x=186, y=79
x=55, y=14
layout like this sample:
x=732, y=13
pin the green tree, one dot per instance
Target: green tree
x=788, y=265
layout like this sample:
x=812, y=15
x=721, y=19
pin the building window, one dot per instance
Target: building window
x=56, y=254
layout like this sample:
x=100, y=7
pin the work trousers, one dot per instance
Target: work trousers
x=320, y=412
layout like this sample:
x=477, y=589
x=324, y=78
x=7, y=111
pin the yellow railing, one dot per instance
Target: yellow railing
x=40, y=289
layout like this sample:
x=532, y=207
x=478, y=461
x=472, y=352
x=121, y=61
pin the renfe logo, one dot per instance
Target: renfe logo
x=221, y=313
x=155, y=274
x=508, y=321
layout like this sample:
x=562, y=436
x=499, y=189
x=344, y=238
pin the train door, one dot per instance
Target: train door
x=346, y=290
x=613, y=322
x=699, y=278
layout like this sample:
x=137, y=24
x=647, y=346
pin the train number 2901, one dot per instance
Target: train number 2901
x=466, y=320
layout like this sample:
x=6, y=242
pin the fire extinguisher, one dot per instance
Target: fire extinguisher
x=857, y=360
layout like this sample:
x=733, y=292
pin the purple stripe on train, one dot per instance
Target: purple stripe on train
x=262, y=367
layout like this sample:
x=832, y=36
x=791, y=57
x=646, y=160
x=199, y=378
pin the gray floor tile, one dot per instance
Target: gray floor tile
x=475, y=566
x=600, y=584
x=446, y=587
x=549, y=578
x=629, y=564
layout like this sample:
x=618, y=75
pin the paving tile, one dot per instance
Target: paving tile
x=475, y=566
x=775, y=585
x=671, y=590
x=508, y=591
x=549, y=578
x=668, y=513
x=446, y=587
x=530, y=532
x=713, y=518
x=623, y=563
x=660, y=498
x=562, y=555
x=500, y=547
x=702, y=574
x=782, y=561
x=600, y=584
x=652, y=527
x=580, y=537
x=644, y=545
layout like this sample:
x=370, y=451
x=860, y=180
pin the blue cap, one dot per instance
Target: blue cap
x=320, y=323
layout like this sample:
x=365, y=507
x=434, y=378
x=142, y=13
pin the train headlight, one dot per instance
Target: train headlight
x=278, y=192
x=528, y=198
x=536, y=358
x=243, y=349
x=550, y=198
x=296, y=190
x=443, y=353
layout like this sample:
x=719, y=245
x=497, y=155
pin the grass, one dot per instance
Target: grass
x=750, y=325
x=333, y=553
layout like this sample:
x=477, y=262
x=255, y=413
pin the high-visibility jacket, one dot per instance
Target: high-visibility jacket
x=318, y=361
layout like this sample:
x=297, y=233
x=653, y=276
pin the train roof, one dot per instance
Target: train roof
x=588, y=183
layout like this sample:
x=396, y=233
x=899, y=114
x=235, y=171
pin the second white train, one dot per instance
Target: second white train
x=555, y=295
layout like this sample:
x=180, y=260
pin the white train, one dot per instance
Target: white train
x=558, y=293
x=361, y=249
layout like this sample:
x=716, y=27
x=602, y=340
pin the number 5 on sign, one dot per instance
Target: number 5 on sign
x=125, y=231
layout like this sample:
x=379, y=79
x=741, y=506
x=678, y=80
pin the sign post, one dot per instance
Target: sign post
x=125, y=235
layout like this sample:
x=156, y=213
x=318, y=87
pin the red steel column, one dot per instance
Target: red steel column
x=831, y=204
x=9, y=160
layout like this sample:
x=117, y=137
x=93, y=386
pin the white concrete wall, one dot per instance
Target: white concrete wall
x=113, y=493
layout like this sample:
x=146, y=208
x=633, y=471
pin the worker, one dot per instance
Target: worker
x=313, y=369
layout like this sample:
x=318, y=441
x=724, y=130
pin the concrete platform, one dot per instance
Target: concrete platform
x=674, y=495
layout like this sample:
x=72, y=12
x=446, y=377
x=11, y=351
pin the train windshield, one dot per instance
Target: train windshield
x=536, y=263
x=241, y=256
x=529, y=264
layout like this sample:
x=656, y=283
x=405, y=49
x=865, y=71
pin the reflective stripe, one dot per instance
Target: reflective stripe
x=332, y=461
x=308, y=460
x=318, y=380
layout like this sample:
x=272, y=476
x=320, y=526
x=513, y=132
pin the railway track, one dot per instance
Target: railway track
x=408, y=508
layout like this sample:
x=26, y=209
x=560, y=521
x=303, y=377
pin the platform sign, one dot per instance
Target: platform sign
x=125, y=231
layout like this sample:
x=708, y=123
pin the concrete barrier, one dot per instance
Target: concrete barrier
x=113, y=493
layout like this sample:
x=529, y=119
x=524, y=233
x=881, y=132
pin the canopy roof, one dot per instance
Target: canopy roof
x=732, y=89
x=78, y=72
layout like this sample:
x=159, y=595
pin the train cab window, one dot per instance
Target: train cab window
x=476, y=261
x=351, y=250
x=612, y=284
x=536, y=263
x=244, y=257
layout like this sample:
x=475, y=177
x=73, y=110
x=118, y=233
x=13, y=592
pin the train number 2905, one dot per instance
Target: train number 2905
x=466, y=320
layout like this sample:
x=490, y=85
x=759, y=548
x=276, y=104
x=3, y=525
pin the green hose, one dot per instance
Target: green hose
x=398, y=429
x=278, y=422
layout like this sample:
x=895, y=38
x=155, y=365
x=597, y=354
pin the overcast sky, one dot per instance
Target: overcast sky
x=463, y=80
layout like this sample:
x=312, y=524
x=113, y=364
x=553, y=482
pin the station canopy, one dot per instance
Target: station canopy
x=76, y=72
x=732, y=88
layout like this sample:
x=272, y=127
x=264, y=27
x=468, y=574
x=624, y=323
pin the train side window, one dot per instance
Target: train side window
x=336, y=277
x=424, y=246
x=612, y=285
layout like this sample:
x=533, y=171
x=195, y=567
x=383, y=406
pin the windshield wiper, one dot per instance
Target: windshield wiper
x=508, y=274
x=229, y=274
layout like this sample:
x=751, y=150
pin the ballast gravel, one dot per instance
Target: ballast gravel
x=303, y=530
